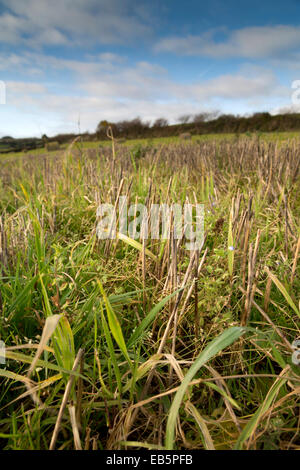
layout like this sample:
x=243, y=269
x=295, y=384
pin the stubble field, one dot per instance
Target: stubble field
x=169, y=348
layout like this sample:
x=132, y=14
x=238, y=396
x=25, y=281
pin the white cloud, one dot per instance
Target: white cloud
x=115, y=91
x=71, y=22
x=251, y=43
x=104, y=87
x=111, y=58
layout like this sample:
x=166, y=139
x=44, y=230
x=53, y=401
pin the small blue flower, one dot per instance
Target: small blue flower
x=231, y=248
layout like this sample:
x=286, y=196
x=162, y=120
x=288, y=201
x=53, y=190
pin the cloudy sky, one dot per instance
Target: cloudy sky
x=67, y=64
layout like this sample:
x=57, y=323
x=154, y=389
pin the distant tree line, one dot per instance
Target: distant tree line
x=201, y=123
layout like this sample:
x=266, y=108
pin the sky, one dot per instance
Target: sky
x=65, y=65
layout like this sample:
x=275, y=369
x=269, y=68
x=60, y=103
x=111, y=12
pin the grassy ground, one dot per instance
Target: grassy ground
x=169, y=348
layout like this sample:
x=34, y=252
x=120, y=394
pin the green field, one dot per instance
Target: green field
x=265, y=136
x=169, y=348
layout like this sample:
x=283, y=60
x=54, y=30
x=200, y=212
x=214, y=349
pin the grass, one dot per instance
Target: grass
x=131, y=344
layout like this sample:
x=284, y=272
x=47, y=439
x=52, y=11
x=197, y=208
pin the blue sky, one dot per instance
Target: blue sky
x=67, y=64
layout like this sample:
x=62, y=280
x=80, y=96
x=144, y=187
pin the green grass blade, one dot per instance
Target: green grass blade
x=252, y=424
x=135, y=244
x=111, y=350
x=114, y=325
x=213, y=348
x=284, y=292
x=146, y=322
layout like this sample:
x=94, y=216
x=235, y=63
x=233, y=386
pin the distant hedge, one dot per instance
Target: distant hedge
x=8, y=144
x=225, y=123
